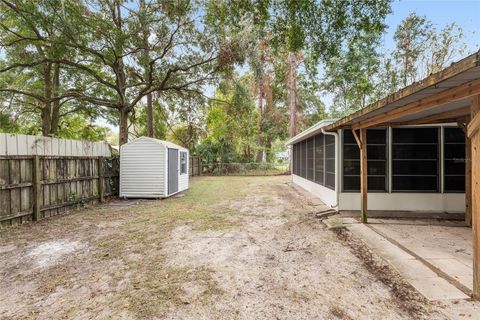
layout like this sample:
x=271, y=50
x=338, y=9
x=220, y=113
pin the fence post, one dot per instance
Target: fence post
x=37, y=187
x=100, y=179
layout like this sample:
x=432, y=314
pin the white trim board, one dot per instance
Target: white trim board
x=428, y=202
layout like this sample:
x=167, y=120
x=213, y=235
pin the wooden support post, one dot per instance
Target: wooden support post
x=475, y=199
x=468, y=171
x=100, y=179
x=468, y=181
x=363, y=175
x=37, y=187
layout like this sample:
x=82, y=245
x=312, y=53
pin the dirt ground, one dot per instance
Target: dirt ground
x=230, y=248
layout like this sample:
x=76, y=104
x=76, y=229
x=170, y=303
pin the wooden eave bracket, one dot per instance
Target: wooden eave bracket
x=357, y=139
x=473, y=126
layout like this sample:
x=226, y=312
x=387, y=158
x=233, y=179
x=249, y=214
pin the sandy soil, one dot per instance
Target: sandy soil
x=269, y=258
x=283, y=264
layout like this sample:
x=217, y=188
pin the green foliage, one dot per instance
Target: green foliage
x=411, y=38
x=77, y=127
x=105, y=55
x=340, y=36
x=230, y=124
x=7, y=124
x=421, y=49
x=66, y=64
x=139, y=119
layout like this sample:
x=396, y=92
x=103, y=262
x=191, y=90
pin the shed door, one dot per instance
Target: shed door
x=172, y=171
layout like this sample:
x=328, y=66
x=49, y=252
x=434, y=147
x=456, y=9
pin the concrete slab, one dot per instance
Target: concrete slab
x=437, y=289
x=462, y=309
x=447, y=248
x=378, y=243
x=417, y=273
x=333, y=222
x=466, y=281
x=123, y=203
x=452, y=266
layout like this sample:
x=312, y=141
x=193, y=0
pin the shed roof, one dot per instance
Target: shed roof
x=164, y=143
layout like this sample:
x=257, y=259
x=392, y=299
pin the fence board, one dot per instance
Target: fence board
x=27, y=145
x=195, y=165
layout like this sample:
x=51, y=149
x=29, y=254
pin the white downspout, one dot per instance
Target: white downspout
x=337, y=159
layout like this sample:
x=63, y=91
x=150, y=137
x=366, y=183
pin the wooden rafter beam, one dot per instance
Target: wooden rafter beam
x=446, y=116
x=461, y=92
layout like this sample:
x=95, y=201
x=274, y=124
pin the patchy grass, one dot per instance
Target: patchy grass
x=147, y=297
x=238, y=247
x=120, y=268
x=202, y=205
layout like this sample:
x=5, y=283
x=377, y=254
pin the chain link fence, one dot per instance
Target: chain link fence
x=244, y=169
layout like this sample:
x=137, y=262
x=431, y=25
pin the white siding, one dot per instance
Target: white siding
x=142, y=169
x=26, y=145
x=327, y=195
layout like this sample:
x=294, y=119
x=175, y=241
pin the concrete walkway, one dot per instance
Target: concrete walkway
x=434, y=256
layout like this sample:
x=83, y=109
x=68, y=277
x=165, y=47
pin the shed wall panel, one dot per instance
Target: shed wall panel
x=142, y=170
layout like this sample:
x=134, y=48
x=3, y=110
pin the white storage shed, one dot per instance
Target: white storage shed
x=152, y=168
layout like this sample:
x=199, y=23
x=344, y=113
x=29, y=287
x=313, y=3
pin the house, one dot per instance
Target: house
x=410, y=168
x=416, y=150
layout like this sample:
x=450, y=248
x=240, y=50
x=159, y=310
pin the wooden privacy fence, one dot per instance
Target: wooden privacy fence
x=35, y=187
x=195, y=166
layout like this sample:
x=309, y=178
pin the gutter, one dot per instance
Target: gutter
x=337, y=159
x=310, y=131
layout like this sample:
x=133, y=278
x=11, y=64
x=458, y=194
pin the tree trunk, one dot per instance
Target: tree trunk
x=260, y=121
x=46, y=110
x=268, y=149
x=55, y=104
x=121, y=76
x=146, y=54
x=292, y=93
x=149, y=116
x=123, y=126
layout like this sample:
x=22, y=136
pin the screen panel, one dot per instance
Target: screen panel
x=310, y=159
x=294, y=158
x=303, y=159
x=330, y=161
x=314, y=160
x=319, y=159
x=377, y=161
x=415, y=160
x=454, y=160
